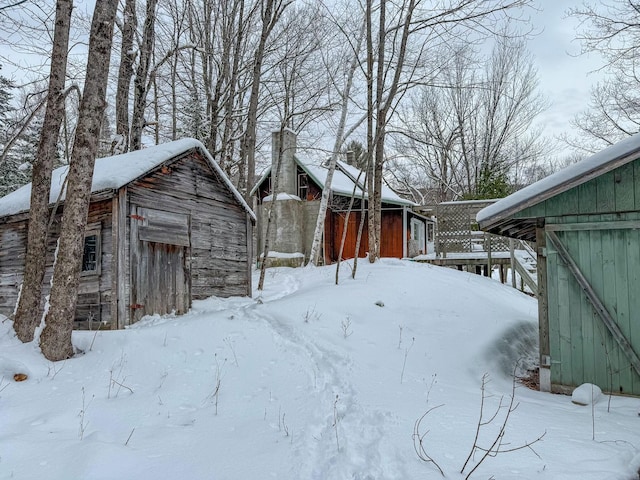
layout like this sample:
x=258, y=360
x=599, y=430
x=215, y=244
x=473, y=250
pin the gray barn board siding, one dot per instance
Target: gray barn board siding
x=219, y=249
x=94, y=299
x=179, y=221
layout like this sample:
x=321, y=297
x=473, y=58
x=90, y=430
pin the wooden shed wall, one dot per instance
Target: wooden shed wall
x=614, y=191
x=94, y=299
x=581, y=347
x=220, y=228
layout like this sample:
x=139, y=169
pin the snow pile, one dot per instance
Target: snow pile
x=586, y=394
x=315, y=382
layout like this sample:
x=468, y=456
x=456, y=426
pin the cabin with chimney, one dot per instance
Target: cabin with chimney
x=296, y=204
x=165, y=227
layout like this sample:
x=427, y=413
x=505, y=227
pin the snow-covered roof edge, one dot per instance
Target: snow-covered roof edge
x=388, y=195
x=601, y=162
x=226, y=179
x=112, y=173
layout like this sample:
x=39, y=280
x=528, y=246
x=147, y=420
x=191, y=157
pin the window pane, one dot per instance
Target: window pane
x=90, y=256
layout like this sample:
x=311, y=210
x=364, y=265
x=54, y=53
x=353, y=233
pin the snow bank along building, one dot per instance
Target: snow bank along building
x=585, y=222
x=296, y=205
x=165, y=226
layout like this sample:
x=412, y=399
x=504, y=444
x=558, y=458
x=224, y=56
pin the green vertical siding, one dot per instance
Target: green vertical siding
x=582, y=349
x=615, y=191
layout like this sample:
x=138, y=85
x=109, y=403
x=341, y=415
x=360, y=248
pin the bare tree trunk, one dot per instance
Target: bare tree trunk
x=346, y=226
x=29, y=311
x=324, y=201
x=142, y=73
x=229, y=118
x=55, y=340
x=270, y=15
x=125, y=73
x=363, y=211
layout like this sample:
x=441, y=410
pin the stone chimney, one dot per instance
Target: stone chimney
x=287, y=183
x=351, y=157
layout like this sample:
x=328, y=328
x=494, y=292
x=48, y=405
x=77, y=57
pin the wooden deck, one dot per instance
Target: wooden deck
x=459, y=244
x=474, y=262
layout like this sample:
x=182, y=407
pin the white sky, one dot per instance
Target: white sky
x=565, y=76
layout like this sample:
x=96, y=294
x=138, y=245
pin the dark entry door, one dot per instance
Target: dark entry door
x=160, y=271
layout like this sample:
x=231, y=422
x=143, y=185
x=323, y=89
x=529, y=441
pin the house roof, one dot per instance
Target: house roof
x=112, y=173
x=494, y=217
x=343, y=182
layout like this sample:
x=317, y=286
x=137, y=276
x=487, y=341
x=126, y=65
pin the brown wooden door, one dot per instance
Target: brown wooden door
x=160, y=273
x=352, y=235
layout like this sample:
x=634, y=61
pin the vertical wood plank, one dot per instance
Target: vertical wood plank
x=123, y=260
x=636, y=183
x=583, y=259
x=621, y=300
x=564, y=324
x=624, y=187
x=612, y=352
x=587, y=197
x=633, y=259
x=115, y=271
x=574, y=318
x=605, y=193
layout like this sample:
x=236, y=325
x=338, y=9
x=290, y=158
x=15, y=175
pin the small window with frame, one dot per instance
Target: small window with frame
x=91, y=253
x=303, y=185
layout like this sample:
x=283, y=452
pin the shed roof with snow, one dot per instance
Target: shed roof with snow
x=515, y=215
x=112, y=173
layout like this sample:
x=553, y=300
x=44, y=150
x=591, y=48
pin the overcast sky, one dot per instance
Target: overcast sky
x=565, y=77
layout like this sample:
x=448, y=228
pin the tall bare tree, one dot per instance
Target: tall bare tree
x=270, y=13
x=471, y=130
x=341, y=135
x=142, y=76
x=29, y=310
x=611, y=29
x=128, y=56
x=55, y=340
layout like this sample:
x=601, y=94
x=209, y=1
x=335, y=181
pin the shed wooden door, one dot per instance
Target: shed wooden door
x=605, y=270
x=159, y=267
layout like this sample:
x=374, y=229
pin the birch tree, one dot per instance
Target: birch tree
x=55, y=340
x=345, y=97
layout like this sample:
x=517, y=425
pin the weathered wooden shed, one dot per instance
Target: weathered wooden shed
x=165, y=226
x=585, y=221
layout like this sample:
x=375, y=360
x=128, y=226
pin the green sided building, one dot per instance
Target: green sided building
x=585, y=222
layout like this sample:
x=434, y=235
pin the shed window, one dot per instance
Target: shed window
x=303, y=185
x=91, y=253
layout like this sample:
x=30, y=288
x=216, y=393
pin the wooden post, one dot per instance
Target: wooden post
x=512, y=252
x=543, y=308
x=488, y=254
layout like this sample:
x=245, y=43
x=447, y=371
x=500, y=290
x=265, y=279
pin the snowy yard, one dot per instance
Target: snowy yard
x=315, y=381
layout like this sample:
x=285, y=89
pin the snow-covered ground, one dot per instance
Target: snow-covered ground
x=311, y=381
